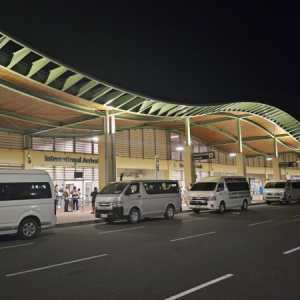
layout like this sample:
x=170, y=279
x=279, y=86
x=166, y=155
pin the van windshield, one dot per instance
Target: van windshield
x=275, y=185
x=204, y=186
x=114, y=188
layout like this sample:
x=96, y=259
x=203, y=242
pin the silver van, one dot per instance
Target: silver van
x=133, y=200
x=274, y=191
x=292, y=191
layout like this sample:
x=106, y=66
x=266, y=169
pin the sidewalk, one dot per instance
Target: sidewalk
x=65, y=219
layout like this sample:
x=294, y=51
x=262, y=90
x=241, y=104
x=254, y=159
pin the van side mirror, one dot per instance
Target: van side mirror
x=127, y=192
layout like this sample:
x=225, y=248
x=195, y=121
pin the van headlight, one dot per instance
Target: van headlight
x=117, y=203
x=212, y=198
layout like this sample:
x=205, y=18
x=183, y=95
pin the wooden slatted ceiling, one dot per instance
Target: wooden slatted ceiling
x=19, y=103
x=229, y=126
x=272, y=127
x=290, y=141
x=94, y=122
x=268, y=146
x=73, y=131
x=233, y=148
x=173, y=125
x=47, y=90
x=208, y=135
x=128, y=122
x=206, y=118
x=11, y=123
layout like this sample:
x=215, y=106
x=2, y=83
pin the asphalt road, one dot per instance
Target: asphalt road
x=236, y=255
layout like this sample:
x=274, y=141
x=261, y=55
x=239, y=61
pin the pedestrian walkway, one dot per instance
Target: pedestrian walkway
x=85, y=216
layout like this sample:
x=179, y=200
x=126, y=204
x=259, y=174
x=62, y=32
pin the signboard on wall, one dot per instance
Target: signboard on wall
x=203, y=155
x=289, y=164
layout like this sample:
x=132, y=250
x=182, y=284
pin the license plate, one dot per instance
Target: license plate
x=103, y=215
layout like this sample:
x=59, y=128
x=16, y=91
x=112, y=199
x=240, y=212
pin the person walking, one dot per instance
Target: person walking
x=66, y=195
x=75, y=195
x=94, y=195
x=56, y=197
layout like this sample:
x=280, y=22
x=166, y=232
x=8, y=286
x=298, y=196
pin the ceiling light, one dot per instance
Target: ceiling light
x=179, y=148
x=232, y=154
x=174, y=136
x=269, y=158
x=95, y=139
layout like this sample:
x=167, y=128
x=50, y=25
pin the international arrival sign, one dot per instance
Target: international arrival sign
x=203, y=155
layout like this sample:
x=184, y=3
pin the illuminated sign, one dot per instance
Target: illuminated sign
x=203, y=155
x=69, y=159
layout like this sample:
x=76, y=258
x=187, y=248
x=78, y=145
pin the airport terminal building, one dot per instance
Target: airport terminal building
x=85, y=132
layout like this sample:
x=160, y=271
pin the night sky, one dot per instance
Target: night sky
x=191, y=52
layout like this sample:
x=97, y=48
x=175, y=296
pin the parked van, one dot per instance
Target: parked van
x=274, y=191
x=27, y=202
x=133, y=200
x=219, y=193
x=292, y=191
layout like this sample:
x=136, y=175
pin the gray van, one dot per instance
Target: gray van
x=292, y=191
x=133, y=200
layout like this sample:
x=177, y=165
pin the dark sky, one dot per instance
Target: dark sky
x=197, y=52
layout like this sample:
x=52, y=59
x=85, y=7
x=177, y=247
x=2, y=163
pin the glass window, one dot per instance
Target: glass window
x=203, y=186
x=114, y=188
x=134, y=188
x=295, y=184
x=275, y=185
x=161, y=187
x=5, y=191
x=24, y=191
x=220, y=187
x=237, y=186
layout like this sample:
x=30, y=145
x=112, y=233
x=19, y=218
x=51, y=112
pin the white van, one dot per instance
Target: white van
x=27, y=202
x=274, y=191
x=292, y=191
x=219, y=193
x=133, y=200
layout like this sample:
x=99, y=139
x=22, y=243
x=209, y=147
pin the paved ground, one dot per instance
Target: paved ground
x=84, y=216
x=247, y=255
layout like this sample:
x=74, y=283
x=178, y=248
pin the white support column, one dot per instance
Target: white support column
x=275, y=162
x=240, y=157
x=189, y=164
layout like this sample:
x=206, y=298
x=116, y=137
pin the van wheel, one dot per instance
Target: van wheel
x=222, y=207
x=196, y=211
x=245, y=205
x=28, y=229
x=268, y=202
x=289, y=200
x=134, y=216
x=169, y=214
x=109, y=221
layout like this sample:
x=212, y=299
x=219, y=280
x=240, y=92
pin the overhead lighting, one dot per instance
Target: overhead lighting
x=179, y=148
x=232, y=154
x=269, y=158
x=95, y=139
x=174, y=136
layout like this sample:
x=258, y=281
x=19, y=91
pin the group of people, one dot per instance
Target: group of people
x=75, y=195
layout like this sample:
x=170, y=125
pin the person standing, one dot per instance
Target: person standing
x=56, y=196
x=94, y=195
x=182, y=193
x=66, y=195
x=75, y=195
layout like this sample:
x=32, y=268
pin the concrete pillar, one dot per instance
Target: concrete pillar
x=189, y=165
x=241, y=164
x=275, y=162
x=106, y=152
x=27, y=159
x=240, y=157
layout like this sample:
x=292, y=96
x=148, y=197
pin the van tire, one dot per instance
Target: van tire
x=170, y=212
x=268, y=202
x=222, y=207
x=28, y=229
x=134, y=216
x=289, y=200
x=245, y=205
x=196, y=211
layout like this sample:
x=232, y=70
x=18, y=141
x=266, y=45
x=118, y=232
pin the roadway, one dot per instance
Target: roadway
x=252, y=254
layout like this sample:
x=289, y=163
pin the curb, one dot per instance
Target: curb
x=78, y=223
x=70, y=224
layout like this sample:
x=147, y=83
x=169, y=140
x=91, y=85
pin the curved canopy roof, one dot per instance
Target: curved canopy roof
x=43, y=97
